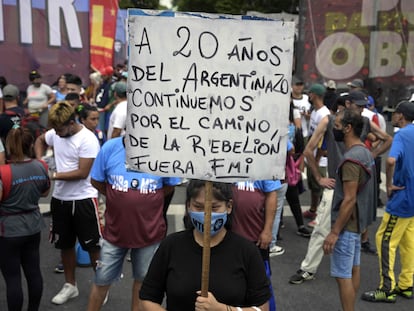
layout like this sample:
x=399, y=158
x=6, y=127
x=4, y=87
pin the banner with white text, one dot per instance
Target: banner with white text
x=49, y=36
x=208, y=98
x=369, y=39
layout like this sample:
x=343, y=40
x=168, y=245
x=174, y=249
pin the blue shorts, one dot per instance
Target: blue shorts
x=109, y=266
x=346, y=255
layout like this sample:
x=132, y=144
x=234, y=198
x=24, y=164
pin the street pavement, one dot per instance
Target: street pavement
x=318, y=294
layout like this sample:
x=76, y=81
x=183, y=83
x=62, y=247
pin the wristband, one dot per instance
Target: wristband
x=239, y=309
x=54, y=175
x=256, y=308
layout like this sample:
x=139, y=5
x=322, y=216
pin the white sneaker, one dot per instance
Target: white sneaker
x=67, y=292
x=276, y=251
x=106, y=298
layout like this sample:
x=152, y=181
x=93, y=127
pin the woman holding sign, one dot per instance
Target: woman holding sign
x=237, y=276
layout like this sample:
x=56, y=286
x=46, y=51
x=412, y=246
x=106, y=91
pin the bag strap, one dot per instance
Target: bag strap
x=6, y=177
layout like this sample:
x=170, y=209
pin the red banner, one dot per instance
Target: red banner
x=102, y=17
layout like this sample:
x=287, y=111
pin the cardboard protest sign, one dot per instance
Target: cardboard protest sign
x=208, y=98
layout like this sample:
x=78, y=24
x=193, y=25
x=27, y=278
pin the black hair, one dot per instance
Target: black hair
x=73, y=79
x=339, y=101
x=353, y=118
x=84, y=111
x=3, y=82
x=291, y=108
x=221, y=192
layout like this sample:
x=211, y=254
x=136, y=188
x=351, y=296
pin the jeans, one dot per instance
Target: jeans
x=280, y=202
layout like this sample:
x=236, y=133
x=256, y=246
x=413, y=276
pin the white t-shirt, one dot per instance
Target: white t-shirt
x=382, y=122
x=303, y=105
x=37, y=97
x=68, y=151
x=118, y=118
x=315, y=118
x=368, y=113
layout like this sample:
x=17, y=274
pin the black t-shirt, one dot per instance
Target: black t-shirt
x=237, y=274
x=8, y=119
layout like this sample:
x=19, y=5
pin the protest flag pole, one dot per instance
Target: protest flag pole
x=205, y=268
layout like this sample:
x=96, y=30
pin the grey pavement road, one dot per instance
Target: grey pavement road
x=318, y=294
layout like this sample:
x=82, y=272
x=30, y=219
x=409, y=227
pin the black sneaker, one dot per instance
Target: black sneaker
x=300, y=277
x=367, y=248
x=59, y=268
x=406, y=293
x=303, y=231
x=379, y=296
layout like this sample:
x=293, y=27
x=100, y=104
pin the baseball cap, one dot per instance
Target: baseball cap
x=297, y=80
x=120, y=88
x=371, y=101
x=358, y=98
x=317, y=89
x=356, y=83
x=330, y=85
x=34, y=74
x=10, y=91
x=107, y=71
x=407, y=109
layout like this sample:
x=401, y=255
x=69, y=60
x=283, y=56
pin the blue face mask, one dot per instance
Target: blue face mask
x=218, y=221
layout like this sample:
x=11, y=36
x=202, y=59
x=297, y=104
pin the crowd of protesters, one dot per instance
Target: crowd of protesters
x=78, y=129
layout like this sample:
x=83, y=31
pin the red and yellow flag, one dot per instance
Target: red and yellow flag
x=102, y=20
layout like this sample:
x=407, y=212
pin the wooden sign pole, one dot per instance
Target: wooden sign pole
x=205, y=269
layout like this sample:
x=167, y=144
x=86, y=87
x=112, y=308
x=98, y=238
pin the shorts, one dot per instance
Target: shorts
x=346, y=255
x=76, y=219
x=109, y=266
x=313, y=184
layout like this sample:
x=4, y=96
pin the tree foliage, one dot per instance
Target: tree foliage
x=142, y=4
x=237, y=6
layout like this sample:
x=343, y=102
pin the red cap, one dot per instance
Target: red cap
x=107, y=71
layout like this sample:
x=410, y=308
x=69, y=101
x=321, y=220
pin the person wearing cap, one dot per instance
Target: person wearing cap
x=319, y=111
x=356, y=85
x=397, y=226
x=39, y=97
x=301, y=102
x=335, y=152
x=117, y=120
x=12, y=113
x=357, y=100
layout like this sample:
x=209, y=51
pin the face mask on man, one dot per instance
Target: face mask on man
x=218, y=221
x=338, y=134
